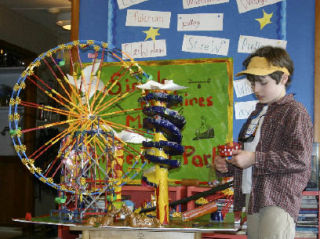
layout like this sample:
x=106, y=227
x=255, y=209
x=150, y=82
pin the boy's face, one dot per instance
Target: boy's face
x=267, y=90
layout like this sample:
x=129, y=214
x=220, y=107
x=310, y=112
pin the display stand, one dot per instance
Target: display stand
x=65, y=230
x=101, y=233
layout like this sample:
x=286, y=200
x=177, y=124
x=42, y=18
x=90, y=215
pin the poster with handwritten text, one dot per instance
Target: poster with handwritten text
x=196, y=3
x=247, y=5
x=145, y=49
x=248, y=44
x=127, y=3
x=243, y=109
x=204, y=44
x=242, y=87
x=145, y=18
x=200, y=22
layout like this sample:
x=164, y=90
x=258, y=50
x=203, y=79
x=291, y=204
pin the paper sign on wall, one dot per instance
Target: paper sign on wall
x=243, y=109
x=247, y=5
x=145, y=49
x=127, y=3
x=242, y=87
x=197, y=3
x=200, y=22
x=248, y=44
x=204, y=44
x=145, y=18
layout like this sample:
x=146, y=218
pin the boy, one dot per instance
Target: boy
x=273, y=168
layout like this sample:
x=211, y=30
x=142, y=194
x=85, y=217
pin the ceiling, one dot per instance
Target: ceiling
x=44, y=12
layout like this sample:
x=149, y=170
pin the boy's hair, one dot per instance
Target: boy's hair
x=276, y=56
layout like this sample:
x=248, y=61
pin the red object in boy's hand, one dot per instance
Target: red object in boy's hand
x=226, y=150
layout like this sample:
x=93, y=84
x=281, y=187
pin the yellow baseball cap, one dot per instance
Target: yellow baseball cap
x=260, y=66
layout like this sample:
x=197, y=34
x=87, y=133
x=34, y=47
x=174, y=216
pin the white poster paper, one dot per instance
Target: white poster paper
x=242, y=87
x=145, y=18
x=244, y=109
x=247, y=5
x=200, y=3
x=200, y=22
x=248, y=44
x=127, y=3
x=145, y=49
x=204, y=44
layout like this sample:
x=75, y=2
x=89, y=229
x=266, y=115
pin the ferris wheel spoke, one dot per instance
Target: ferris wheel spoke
x=36, y=154
x=64, y=152
x=72, y=64
x=91, y=77
x=60, y=100
x=47, y=108
x=55, y=75
x=98, y=77
x=132, y=150
x=57, y=169
x=120, y=126
x=121, y=112
x=44, y=91
x=63, y=76
x=113, y=82
x=111, y=102
x=49, y=125
x=83, y=80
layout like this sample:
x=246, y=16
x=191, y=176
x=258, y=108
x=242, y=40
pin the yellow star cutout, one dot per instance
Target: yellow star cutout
x=265, y=20
x=151, y=33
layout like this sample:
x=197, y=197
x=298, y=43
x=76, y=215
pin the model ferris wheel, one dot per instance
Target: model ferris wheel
x=79, y=101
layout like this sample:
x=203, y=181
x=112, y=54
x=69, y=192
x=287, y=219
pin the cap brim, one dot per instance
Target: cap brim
x=255, y=71
x=263, y=71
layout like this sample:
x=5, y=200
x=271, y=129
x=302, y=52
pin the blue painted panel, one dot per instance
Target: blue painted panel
x=292, y=21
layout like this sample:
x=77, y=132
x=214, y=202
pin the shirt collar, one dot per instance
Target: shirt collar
x=287, y=98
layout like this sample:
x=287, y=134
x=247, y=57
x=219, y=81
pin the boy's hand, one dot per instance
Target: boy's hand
x=220, y=164
x=243, y=159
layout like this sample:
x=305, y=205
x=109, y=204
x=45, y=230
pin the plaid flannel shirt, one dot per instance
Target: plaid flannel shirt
x=283, y=158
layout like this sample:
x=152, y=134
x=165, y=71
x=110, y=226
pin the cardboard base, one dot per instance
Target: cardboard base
x=178, y=226
x=125, y=234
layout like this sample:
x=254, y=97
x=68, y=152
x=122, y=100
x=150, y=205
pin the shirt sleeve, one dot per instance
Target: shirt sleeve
x=290, y=150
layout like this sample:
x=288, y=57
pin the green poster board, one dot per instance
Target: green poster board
x=207, y=108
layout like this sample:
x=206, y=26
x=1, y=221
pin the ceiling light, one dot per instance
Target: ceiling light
x=54, y=10
x=67, y=27
x=63, y=20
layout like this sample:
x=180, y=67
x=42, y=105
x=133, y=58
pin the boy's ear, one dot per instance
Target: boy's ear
x=284, y=78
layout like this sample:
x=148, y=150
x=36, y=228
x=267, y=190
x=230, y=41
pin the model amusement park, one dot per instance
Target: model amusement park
x=88, y=169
